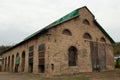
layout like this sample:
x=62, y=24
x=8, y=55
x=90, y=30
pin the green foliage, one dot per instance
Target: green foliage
x=80, y=78
x=2, y=48
x=116, y=47
x=117, y=64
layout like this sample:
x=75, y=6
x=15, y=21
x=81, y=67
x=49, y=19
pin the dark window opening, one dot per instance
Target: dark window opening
x=31, y=52
x=52, y=66
x=30, y=69
x=23, y=61
x=12, y=62
x=5, y=64
x=102, y=39
x=55, y=40
x=85, y=21
x=72, y=56
x=87, y=36
x=67, y=32
x=41, y=68
x=8, y=63
x=16, y=67
x=0, y=68
x=17, y=55
x=17, y=62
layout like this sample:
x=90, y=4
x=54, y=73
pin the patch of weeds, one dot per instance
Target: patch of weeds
x=117, y=71
x=80, y=78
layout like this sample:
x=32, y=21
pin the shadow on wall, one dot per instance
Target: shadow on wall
x=0, y=68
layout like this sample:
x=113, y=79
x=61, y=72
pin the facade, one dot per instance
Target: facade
x=73, y=44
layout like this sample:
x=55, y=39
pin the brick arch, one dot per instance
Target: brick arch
x=67, y=32
x=23, y=60
x=85, y=21
x=102, y=39
x=87, y=36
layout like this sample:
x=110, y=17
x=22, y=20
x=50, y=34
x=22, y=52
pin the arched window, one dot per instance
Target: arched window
x=12, y=62
x=17, y=62
x=67, y=32
x=17, y=55
x=8, y=63
x=87, y=36
x=102, y=39
x=23, y=61
x=85, y=21
x=72, y=56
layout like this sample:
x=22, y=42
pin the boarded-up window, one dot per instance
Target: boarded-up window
x=102, y=39
x=41, y=50
x=87, y=36
x=67, y=32
x=41, y=53
x=72, y=56
x=31, y=51
x=85, y=21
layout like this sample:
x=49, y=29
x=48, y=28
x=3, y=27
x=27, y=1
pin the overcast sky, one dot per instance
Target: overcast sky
x=20, y=18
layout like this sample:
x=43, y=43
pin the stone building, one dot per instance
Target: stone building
x=75, y=43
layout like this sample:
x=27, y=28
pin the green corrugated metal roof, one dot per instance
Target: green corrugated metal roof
x=106, y=34
x=63, y=19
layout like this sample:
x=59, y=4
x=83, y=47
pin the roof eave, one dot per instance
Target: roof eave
x=107, y=35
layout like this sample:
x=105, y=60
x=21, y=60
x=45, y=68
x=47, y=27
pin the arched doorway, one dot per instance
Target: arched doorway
x=17, y=62
x=23, y=61
x=72, y=56
x=5, y=64
x=30, y=61
x=8, y=63
x=98, y=56
x=12, y=62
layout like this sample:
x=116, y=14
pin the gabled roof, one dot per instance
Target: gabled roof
x=67, y=17
x=106, y=34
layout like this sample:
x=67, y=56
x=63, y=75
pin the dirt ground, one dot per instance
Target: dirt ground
x=107, y=75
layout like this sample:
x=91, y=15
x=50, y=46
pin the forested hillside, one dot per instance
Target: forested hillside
x=116, y=47
x=2, y=48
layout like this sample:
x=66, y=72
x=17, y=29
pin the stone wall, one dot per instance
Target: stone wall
x=57, y=45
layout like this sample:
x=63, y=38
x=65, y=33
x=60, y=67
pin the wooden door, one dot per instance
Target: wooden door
x=98, y=56
x=94, y=55
x=102, y=56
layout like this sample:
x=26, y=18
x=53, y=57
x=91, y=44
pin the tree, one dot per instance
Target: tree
x=3, y=48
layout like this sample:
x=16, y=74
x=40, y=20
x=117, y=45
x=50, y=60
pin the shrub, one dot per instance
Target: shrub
x=117, y=64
